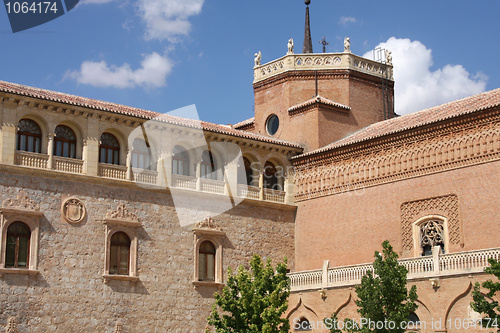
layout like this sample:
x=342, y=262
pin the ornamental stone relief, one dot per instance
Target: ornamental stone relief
x=411, y=211
x=73, y=210
x=22, y=201
x=122, y=213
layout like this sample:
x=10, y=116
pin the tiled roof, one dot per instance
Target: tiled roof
x=318, y=99
x=244, y=123
x=476, y=103
x=58, y=97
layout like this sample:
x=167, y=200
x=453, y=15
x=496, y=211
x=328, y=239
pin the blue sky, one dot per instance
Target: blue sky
x=162, y=55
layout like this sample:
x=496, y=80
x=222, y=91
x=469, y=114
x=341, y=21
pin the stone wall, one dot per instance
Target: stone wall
x=70, y=295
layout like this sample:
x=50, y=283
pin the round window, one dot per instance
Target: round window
x=272, y=124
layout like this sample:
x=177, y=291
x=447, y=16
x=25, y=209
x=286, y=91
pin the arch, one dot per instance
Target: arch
x=181, y=161
x=430, y=231
x=458, y=299
x=122, y=143
x=65, y=142
x=17, y=249
x=142, y=156
x=206, y=261
x=119, y=259
x=29, y=136
x=210, y=166
x=248, y=173
x=109, y=149
x=78, y=132
x=301, y=310
x=273, y=176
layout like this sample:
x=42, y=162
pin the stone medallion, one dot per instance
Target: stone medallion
x=73, y=210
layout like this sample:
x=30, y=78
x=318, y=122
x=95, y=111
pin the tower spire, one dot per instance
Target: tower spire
x=308, y=48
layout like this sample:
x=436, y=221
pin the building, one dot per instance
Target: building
x=99, y=200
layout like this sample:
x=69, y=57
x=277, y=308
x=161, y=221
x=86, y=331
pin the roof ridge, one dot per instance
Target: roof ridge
x=474, y=103
x=50, y=95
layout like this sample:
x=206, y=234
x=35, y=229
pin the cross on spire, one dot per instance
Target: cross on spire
x=325, y=43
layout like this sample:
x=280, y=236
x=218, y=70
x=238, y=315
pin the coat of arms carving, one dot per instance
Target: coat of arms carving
x=73, y=210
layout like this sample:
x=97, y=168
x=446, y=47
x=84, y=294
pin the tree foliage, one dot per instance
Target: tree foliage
x=383, y=296
x=481, y=304
x=253, y=301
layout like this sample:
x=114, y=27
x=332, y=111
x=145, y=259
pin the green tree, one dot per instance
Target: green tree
x=383, y=297
x=253, y=301
x=481, y=304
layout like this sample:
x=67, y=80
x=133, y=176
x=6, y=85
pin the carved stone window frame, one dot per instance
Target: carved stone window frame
x=121, y=221
x=30, y=218
x=416, y=226
x=209, y=231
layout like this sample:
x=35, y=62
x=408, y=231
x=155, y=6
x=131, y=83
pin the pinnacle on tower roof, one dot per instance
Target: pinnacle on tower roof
x=308, y=48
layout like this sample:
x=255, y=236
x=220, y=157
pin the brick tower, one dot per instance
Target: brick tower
x=317, y=98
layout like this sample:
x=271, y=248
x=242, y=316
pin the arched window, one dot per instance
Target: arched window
x=271, y=179
x=431, y=234
x=29, y=136
x=180, y=161
x=119, y=256
x=246, y=177
x=141, y=155
x=208, y=166
x=302, y=325
x=109, y=150
x=64, y=142
x=413, y=322
x=206, y=262
x=18, y=244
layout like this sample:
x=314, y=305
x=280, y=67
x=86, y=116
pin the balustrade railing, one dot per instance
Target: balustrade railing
x=120, y=172
x=112, y=171
x=33, y=160
x=274, y=195
x=145, y=176
x=247, y=191
x=322, y=61
x=448, y=264
x=71, y=165
x=184, y=182
x=213, y=186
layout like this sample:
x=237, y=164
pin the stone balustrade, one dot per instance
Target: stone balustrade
x=317, y=61
x=121, y=172
x=437, y=265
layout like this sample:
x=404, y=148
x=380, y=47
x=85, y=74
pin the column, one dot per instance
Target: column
x=50, y=151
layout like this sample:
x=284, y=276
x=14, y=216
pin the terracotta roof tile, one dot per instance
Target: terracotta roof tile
x=476, y=103
x=244, y=123
x=321, y=100
x=58, y=97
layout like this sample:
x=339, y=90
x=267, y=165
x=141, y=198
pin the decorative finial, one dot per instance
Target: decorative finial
x=307, y=32
x=347, y=45
x=388, y=57
x=290, y=46
x=325, y=43
x=257, y=58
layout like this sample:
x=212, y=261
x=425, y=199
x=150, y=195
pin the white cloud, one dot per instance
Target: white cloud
x=417, y=86
x=344, y=20
x=152, y=73
x=168, y=19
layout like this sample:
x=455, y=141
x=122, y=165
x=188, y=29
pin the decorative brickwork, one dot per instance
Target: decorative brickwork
x=410, y=211
x=398, y=158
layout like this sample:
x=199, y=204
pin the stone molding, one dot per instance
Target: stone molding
x=321, y=61
x=398, y=158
